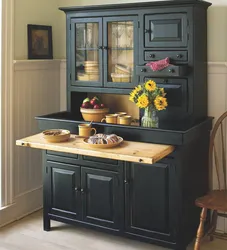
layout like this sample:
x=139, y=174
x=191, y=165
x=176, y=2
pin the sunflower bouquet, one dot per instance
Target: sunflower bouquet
x=151, y=98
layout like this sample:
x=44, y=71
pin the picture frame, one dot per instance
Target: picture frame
x=40, y=45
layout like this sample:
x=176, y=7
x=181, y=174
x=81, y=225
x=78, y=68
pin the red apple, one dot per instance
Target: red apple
x=86, y=105
x=96, y=106
x=102, y=106
x=93, y=102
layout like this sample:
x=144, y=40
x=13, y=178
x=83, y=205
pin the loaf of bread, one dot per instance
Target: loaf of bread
x=103, y=139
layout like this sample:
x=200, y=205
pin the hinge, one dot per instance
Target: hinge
x=46, y=170
x=188, y=36
x=70, y=76
x=138, y=24
x=70, y=26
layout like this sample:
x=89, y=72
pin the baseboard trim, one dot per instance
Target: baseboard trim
x=23, y=205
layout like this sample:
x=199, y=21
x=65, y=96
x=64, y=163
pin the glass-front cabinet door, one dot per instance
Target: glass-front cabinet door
x=86, y=52
x=120, y=40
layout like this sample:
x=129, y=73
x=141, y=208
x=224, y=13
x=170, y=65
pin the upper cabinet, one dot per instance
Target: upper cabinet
x=113, y=48
x=104, y=52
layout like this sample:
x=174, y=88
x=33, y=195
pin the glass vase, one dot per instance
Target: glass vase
x=150, y=118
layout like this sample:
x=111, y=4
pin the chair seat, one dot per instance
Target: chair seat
x=215, y=200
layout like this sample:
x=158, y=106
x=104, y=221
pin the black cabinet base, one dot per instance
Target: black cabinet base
x=70, y=221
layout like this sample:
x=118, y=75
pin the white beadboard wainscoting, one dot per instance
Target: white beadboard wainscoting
x=36, y=91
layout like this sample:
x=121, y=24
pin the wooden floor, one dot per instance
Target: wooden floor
x=27, y=234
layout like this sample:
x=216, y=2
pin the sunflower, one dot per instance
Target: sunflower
x=138, y=88
x=133, y=93
x=162, y=92
x=131, y=98
x=142, y=101
x=160, y=102
x=150, y=85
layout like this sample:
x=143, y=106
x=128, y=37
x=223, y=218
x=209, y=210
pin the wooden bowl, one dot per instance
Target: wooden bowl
x=56, y=135
x=95, y=115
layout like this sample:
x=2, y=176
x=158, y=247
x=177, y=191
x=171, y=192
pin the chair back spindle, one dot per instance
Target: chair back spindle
x=217, y=152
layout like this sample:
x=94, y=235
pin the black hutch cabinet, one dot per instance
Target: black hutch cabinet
x=153, y=203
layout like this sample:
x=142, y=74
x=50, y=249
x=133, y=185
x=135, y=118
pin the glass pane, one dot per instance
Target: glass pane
x=120, y=51
x=87, y=35
x=87, y=53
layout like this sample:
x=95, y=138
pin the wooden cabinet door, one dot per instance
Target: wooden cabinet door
x=63, y=191
x=120, y=38
x=101, y=197
x=148, y=205
x=166, y=30
x=85, y=56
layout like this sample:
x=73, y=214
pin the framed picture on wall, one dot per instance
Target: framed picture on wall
x=40, y=42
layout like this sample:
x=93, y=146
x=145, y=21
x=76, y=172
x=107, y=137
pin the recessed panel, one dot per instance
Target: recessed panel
x=63, y=189
x=166, y=30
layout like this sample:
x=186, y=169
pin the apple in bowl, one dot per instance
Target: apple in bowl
x=93, y=109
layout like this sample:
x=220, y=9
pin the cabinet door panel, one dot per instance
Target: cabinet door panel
x=64, y=189
x=101, y=199
x=166, y=30
x=147, y=200
x=121, y=52
x=86, y=52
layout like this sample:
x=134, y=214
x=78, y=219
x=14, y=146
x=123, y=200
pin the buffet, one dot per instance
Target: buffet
x=128, y=155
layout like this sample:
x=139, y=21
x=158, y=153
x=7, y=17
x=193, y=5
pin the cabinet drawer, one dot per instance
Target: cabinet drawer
x=102, y=163
x=172, y=70
x=166, y=30
x=62, y=157
x=99, y=160
x=175, y=56
x=74, y=156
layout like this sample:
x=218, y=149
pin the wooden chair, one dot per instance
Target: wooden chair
x=215, y=200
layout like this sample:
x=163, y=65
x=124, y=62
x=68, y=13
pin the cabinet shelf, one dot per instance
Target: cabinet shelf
x=87, y=49
x=121, y=48
x=168, y=133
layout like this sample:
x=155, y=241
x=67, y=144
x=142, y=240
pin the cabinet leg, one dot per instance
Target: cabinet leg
x=46, y=223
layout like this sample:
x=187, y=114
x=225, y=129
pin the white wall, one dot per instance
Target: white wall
x=43, y=12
